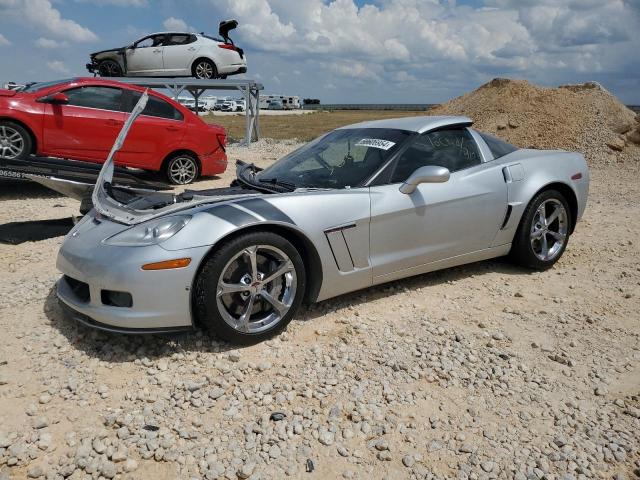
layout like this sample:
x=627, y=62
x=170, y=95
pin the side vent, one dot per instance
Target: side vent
x=340, y=250
x=507, y=216
x=346, y=244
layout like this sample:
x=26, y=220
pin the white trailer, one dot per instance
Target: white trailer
x=289, y=102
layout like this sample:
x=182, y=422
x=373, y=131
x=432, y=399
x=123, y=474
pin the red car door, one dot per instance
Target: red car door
x=86, y=127
x=156, y=132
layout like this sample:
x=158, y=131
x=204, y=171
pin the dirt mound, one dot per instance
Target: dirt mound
x=585, y=118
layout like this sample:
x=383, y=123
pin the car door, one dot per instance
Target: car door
x=159, y=129
x=145, y=56
x=87, y=126
x=438, y=220
x=179, y=51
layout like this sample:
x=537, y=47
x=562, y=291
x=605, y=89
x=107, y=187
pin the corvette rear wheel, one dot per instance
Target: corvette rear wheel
x=543, y=232
x=250, y=288
x=15, y=141
x=109, y=68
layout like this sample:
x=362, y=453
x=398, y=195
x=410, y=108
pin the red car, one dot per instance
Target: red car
x=80, y=119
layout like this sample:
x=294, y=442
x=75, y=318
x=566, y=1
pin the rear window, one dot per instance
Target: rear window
x=156, y=107
x=499, y=148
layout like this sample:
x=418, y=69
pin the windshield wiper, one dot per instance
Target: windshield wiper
x=246, y=174
x=280, y=183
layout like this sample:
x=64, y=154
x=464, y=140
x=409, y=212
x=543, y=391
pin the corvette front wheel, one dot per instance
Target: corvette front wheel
x=250, y=288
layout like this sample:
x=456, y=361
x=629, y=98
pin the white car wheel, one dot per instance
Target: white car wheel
x=205, y=70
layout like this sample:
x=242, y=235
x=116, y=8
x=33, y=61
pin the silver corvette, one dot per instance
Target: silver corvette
x=361, y=205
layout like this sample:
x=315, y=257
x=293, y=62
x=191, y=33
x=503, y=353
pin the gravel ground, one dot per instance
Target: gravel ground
x=482, y=371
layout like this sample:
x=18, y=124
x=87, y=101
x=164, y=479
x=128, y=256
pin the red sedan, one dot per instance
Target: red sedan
x=80, y=119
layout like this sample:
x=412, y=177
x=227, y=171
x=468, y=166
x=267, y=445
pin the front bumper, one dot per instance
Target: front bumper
x=161, y=299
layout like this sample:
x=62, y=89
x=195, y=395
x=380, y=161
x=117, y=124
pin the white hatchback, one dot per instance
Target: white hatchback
x=173, y=54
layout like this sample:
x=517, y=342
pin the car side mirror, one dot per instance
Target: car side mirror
x=55, y=99
x=426, y=174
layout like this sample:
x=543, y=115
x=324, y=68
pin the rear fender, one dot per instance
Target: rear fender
x=531, y=171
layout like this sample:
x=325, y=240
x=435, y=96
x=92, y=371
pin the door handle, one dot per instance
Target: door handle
x=113, y=123
x=191, y=49
x=172, y=129
x=157, y=50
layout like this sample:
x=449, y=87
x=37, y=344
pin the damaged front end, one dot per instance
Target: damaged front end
x=129, y=211
x=116, y=54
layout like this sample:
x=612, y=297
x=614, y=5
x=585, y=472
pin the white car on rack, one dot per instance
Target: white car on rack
x=174, y=54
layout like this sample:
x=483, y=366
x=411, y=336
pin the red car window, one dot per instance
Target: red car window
x=104, y=98
x=156, y=107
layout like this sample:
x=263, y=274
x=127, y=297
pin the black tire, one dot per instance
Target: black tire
x=109, y=68
x=188, y=166
x=15, y=140
x=525, y=245
x=206, y=304
x=204, y=69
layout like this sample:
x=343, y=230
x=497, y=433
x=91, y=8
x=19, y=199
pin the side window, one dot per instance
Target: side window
x=104, y=98
x=152, y=41
x=156, y=107
x=145, y=43
x=499, y=148
x=453, y=149
x=179, y=39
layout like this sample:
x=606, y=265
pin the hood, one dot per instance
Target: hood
x=7, y=93
x=118, y=50
x=107, y=204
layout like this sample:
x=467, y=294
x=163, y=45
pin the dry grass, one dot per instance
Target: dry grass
x=303, y=127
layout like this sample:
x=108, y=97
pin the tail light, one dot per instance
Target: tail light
x=230, y=46
x=222, y=139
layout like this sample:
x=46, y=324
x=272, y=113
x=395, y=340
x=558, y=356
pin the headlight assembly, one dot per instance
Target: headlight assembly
x=149, y=233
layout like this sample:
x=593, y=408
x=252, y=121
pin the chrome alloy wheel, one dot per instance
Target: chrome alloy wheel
x=256, y=288
x=204, y=70
x=183, y=170
x=11, y=142
x=549, y=229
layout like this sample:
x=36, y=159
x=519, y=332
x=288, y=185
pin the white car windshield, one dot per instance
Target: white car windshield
x=340, y=159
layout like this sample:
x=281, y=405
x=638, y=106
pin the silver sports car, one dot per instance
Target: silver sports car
x=361, y=205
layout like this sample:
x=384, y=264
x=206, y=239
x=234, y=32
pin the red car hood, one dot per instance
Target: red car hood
x=7, y=93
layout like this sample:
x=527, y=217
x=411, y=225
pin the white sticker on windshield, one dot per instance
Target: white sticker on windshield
x=376, y=143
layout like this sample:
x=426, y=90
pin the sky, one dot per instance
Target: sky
x=350, y=51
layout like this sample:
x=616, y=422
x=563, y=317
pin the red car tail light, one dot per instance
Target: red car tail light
x=222, y=139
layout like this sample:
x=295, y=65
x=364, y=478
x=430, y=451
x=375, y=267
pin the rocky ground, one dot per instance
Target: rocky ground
x=482, y=371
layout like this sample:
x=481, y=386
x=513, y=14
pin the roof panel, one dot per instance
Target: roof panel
x=418, y=124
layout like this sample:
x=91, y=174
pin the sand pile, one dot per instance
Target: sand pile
x=585, y=118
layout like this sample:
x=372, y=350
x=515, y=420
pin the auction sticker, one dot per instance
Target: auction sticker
x=376, y=143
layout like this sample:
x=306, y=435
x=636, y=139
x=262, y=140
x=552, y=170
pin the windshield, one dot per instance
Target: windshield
x=342, y=158
x=34, y=87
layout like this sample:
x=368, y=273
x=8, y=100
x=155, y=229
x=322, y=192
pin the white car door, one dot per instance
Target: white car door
x=145, y=56
x=180, y=49
x=437, y=221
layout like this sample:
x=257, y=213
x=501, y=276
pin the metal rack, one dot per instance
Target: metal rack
x=196, y=87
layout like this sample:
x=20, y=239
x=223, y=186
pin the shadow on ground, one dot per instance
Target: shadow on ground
x=19, y=189
x=120, y=348
x=15, y=233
